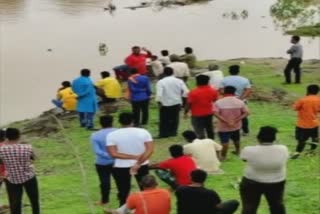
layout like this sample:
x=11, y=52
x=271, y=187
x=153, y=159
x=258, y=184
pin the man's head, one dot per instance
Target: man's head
x=313, y=89
x=2, y=135
x=189, y=135
x=229, y=90
x=176, y=150
x=66, y=84
x=168, y=71
x=105, y=74
x=136, y=50
x=234, y=69
x=213, y=67
x=126, y=118
x=295, y=39
x=202, y=80
x=267, y=134
x=174, y=58
x=12, y=134
x=85, y=72
x=154, y=57
x=165, y=53
x=148, y=182
x=198, y=176
x=188, y=50
x=106, y=121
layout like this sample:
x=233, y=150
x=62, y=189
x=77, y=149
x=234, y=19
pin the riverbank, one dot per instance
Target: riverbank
x=65, y=165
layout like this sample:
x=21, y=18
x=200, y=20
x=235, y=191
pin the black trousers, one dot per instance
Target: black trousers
x=138, y=108
x=251, y=192
x=203, y=126
x=294, y=64
x=169, y=120
x=104, y=173
x=123, y=181
x=15, y=192
x=228, y=207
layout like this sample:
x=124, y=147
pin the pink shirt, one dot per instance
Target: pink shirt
x=230, y=108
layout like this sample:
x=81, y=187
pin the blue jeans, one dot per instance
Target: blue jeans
x=86, y=119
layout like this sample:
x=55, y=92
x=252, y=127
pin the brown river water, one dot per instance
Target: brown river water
x=73, y=29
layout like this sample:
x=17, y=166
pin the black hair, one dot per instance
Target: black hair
x=135, y=47
x=2, y=135
x=133, y=71
x=12, y=134
x=189, y=135
x=106, y=121
x=165, y=53
x=168, y=71
x=198, y=176
x=234, y=69
x=105, y=74
x=188, y=50
x=313, y=89
x=296, y=38
x=154, y=57
x=125, y=118
x=267, y=134
x=229, y=90
x=66, y=84
x=202, y=79
x=176, y=150
x=148, y=181
x=85, y=72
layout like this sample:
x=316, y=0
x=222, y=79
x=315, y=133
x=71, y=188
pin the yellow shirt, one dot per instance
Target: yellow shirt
x=111, y=87
x=68, y=98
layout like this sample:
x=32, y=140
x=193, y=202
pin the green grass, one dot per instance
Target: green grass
x=64, y=190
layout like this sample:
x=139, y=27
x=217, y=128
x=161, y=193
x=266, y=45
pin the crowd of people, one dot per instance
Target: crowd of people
x=125, y=152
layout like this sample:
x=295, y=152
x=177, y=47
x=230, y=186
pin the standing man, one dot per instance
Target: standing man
x=87, y=100
x=104, y=162
x=200, y=101
x=165, y=59
x=215, y=75
x=189, y=58
x=131, y=147
x=139, y=88
x=138, y=60
x=307, y=126
x=296, y=53
x=243, y=90
x=169, y=93
x=110, y=86
x=17, y=159
x=180, y=69
x=230, y=110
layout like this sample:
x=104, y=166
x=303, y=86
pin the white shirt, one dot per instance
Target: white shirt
x=265, y=163
x=204, y=152
x=215, y=78
x=165, y=60
x=157, y=67
x=129, y=141
x=180, y=69
x=170, y=90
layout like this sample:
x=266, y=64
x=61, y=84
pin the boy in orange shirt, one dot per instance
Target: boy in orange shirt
x=307, y=125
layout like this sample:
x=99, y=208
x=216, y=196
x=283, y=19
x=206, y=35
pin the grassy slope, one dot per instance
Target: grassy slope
x=63, y=191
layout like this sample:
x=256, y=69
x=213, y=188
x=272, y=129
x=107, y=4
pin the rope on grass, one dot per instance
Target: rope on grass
x=81, y=166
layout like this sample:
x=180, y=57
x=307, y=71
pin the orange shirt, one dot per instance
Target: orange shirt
x=155, y=201
x=308, y=109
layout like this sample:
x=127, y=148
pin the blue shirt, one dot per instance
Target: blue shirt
x=99, y=145
x=140, y=89
x=239, y=82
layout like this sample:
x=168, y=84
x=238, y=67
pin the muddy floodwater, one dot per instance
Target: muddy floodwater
x=43, y=42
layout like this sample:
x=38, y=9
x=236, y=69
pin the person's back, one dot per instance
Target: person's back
x=204, y=152
x=180, y=69
x=157, y=67
x=111, y=87
x=139, y=86
x=155, y=201
x=194, y=199
x=170, y=90
x=239, y=82
x=216, y=77
x=68, y=98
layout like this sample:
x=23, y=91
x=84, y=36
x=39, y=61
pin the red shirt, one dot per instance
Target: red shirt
x=138, y=62
x=201, y=100
x=2, y=168
x=180, y=167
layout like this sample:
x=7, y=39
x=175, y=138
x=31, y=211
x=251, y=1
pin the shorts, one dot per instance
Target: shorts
x=302, y=134
x=226, y=136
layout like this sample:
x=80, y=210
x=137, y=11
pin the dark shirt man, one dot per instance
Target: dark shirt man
x=195, y=198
